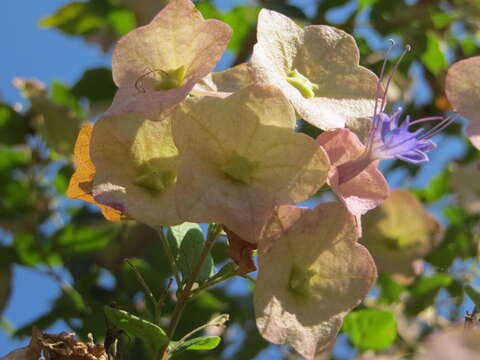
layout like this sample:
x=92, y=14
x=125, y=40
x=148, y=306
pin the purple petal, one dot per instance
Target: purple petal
x=414, y=157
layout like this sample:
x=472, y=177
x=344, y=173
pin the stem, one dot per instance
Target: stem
x=214, y=282
x=146, y=289
x=218, y=321
x=214, y=230
x=170, y=256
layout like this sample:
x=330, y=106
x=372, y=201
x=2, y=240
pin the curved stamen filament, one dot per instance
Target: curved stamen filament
x=432, y=118
x=139, y=82
x=377, y=91
x=394, y=70
x=438, y=128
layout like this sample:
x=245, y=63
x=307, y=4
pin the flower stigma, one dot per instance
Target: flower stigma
x=302, y=84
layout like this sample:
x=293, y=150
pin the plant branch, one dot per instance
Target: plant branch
x=183, y=294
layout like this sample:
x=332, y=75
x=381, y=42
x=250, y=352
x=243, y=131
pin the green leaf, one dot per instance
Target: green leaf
x=199, y=343
x=187, y=241
x=438, y=188
x=75, y=18
x=13, y=126
x=96, y=85
x=469, y=46
x=474, y=295
x=391, y=290
x=122, y=21
x=362, y=4
x=433, y=58
x=153, y=335
x=61, y=180
x=371, y=329
x=442, y=19
x=60, y=94
x=243, y=19
x=75, y=240
x=424, y=284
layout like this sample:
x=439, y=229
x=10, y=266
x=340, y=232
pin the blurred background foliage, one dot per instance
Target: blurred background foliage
x=70, y=242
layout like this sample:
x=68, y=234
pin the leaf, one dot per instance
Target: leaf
x=442, y=19
x=151, y=334
x=96, y=85
x=60, y=94
x=362, y=4
x=371, y=329
x=13, y=126
x=74, y=240
x=75, y=18
x=189, y=254
x=176, y=234
x=473, y=294
x=439, y=187
x=122, y=20
x=391, y=290
x=60, y=181
x=199, y=343
x=242, y=19
x=433, y=58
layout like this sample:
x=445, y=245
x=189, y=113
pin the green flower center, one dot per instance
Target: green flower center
x=240, y=169
x=154, y=179
x=302, y=281
x=302, y=84
x=170, y=79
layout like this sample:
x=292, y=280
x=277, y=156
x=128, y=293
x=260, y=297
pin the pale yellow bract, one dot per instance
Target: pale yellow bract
x=327, y=57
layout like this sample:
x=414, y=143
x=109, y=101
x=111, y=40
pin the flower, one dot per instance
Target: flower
x=136, y=167
x=317, y=69
x=363, y=192
x=463, y=91
x=155, y=66
x=390, y=139
x=239, y=157
x=81, y=182
x=398, y=245
x=310, y=276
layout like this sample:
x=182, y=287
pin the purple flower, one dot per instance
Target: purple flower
x=391, y=139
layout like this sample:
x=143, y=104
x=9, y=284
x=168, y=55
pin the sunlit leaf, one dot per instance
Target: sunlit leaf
x=199, y=343
x=153, y=335
x=434, y=58
x=371, y=329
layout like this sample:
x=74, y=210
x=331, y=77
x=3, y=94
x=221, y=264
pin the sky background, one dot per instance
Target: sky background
x=30, y=51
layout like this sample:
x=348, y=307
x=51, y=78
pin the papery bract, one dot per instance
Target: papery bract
x=136, y=162
x=81, y=182
x=453, y=343
x=365, y=191
x=223, y=83
x=157, y=65
x=462, y=86
x=317, y=69
x=310, y=277
x=467, y=187
x=399, y=233
x=240, y=157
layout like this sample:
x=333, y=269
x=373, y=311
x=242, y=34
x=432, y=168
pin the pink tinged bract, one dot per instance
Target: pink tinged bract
x=240, y=157
x=155, y=66
x=463, y=91
x=136, y=167
x=317, y=69
x=399, y=234
x=310, y=277
x=365, y=191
